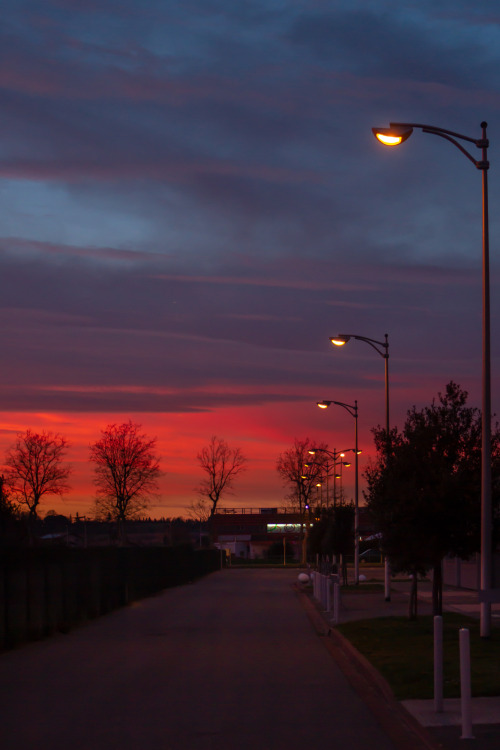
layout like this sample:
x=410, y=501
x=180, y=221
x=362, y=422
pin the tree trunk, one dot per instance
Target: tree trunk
x=437, y=589
x=413, y=602
x=344, y=569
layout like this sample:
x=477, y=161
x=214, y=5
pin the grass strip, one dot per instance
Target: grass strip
x=402, y=650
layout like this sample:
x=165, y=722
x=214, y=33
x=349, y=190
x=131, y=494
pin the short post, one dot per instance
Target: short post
x=336, y=602
x=465, y=687
x=438, y=664
x=387, y=580
x=328, y=594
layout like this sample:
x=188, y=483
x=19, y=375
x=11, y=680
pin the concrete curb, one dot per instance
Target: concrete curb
x=402, y=728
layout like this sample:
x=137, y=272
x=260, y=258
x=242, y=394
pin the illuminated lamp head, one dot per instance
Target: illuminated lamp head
x=339, y=340
x=392, y=136
x=323, y=404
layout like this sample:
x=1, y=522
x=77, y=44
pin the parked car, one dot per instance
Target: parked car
x=370, y=556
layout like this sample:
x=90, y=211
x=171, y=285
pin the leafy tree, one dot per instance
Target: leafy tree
x=425, y=496
x=34, y=468
x=126, y=471
x=9, y=511
x=221, y=464
x=333, y=534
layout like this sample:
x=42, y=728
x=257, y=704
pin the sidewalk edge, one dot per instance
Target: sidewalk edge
x=403, y=729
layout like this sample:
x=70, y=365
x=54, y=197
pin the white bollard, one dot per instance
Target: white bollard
x=438, y=664
x=328, y=594
x=465, y=689
x=336, y=602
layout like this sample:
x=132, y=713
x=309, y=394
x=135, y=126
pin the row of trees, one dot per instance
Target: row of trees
x=126, y=472
x=424, y=494
x=423, y=489
x=332, y=534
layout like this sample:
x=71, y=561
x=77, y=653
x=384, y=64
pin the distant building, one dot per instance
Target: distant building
x=250, y=532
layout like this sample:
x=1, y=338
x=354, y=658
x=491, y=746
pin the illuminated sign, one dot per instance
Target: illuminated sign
x=283, y=528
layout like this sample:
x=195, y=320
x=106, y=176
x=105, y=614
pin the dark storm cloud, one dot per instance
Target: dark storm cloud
x=397, y=43
x=193, y=200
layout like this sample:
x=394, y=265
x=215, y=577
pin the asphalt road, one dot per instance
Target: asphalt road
x=230, y=662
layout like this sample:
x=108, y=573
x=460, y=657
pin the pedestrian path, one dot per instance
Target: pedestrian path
x=228, y=662
x=445, y=726
x=464, y=601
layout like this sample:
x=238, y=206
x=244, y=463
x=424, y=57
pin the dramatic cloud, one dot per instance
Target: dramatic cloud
x=192, y=202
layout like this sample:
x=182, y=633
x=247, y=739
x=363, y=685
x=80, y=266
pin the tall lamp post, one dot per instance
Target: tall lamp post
x=382, y=348
x=397, y=133
x=353, y=411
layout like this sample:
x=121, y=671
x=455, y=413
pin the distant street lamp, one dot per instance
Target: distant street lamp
x=393, y=136
x=353, y=411
x=334, y=455
x=382, y=348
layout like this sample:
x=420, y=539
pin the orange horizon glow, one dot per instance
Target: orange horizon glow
x=262, y=433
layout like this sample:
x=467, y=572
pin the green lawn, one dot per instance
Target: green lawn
x=402, y=650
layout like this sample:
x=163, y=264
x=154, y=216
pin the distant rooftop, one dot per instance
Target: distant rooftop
x=253, y=511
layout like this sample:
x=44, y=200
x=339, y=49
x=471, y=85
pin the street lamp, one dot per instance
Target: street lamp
x=393, y=136
x=334, y=455
x=382, y=348
x=353, y=411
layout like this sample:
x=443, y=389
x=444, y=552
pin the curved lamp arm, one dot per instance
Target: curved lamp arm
x=343, y=338
x=398, y=132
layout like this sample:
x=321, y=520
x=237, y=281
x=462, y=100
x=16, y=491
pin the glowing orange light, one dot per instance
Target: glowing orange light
x=391, y=137
x=323, y=406
x=338, y=342
x=389, y=140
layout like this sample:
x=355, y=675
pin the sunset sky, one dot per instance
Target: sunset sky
x=192, y=202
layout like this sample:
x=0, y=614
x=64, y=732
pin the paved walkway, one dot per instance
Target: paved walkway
x=230, y=662
x=445, y=727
